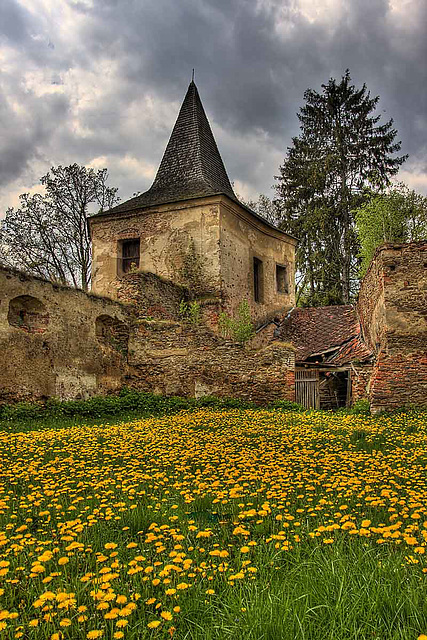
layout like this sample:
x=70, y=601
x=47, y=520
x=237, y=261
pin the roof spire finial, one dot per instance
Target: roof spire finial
x=192, y=76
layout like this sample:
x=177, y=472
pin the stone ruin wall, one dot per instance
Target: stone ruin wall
x=393, y=310
x=360, y=375
x=60, y=342
x=177, y=359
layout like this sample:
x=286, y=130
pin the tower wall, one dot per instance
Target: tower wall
x=166, y=235
x=243, y=239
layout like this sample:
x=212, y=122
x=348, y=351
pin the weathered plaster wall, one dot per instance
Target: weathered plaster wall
x=165, y=234
x=243, y=238
x=226, y=238
x=170, y=358
x=55, y=353
x=393, y=309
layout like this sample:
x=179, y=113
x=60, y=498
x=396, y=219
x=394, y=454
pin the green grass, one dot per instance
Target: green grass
x=155, y=487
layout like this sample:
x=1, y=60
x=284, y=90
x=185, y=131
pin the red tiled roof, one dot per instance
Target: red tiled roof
x=333, y=333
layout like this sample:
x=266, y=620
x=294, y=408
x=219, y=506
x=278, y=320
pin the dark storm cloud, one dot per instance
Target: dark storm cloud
x=252, y=76
x=253, y=62
x=24, y=134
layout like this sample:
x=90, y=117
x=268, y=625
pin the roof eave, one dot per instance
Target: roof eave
x=141, y=207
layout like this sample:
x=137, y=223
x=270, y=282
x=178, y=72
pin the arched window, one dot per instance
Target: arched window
x=28, y=313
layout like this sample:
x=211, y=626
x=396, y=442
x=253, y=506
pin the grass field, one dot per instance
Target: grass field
x=216, y=525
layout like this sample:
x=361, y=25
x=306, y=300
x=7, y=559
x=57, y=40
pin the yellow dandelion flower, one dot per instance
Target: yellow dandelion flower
x=153, y=624
x=166, y=615
x=111, y=615
x=121, y=623
x=66, y=622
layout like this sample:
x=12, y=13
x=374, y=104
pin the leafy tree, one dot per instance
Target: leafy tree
x=48, y=234
x=340, y=151
x=397, y=215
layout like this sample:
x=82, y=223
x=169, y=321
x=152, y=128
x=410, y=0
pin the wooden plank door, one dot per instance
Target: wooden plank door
x=307, y=388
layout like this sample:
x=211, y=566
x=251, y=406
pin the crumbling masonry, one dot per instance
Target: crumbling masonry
x=188, y=238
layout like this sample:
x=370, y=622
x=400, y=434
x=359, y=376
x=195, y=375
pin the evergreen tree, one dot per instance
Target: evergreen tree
x=341, y=150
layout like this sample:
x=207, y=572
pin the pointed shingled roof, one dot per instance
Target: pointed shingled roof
x=191, y=166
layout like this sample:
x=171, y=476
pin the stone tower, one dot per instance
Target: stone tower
x=190, y=228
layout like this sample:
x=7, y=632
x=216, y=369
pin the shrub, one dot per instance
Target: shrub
x=360, y=408
x=190, y=311
x=239, y=327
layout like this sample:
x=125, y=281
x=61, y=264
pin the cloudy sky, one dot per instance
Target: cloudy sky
x=100, y=82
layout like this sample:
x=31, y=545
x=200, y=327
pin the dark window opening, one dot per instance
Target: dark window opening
x=281, y=279
x=257, y=280
x=130, y=255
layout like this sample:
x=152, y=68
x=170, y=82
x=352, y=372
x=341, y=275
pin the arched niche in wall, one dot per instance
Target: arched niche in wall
x=28, y=313
x=112, y=332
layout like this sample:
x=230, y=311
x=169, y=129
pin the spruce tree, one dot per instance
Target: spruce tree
x=342, y=149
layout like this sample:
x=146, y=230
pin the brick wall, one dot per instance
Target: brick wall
x=392, y=307
x=399, y=380
x=360, y=381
